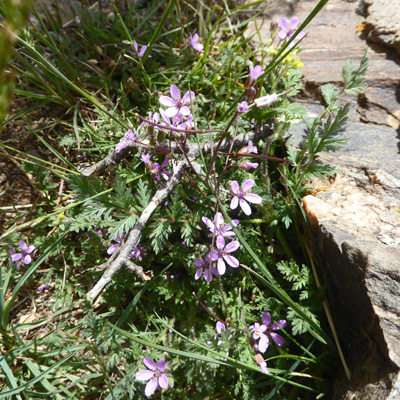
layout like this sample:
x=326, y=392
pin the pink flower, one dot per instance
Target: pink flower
x=205, y=269
x=195, y=44
x=262, y=331
x=141, y=51
x=24, y=257
x=176, y=104
x=130, y=137
x=154, y=375
x=223, y=255
x=248, y=149
x=247, y=165
x=241, y=196
x=287, y=30
x=242, y=107
x=218, y=228
x=255, y=73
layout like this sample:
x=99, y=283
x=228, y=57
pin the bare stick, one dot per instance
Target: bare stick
x=122, y=259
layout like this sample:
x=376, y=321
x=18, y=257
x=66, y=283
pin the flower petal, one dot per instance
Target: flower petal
x=144, y=375
x=221, y=266
x=161, y=365
x=27, y=260
x=279, y=324
x=247, y=185
x=198, y=274
x=16, y=257
x=278, y=339
x=175, y=93
x=163, y=381
x=171, y=112
x=188, y=97
x=263, y=343
x=151, y=387
x=232, y=246
x=245, y=207
x=149, y=363
x=293, y=24
x=266, y=318
x=235, y=187
x=234, y=203
x=232, y=261
x=220, y=242
x=185, y=111
x=207, y=275
x=220, y=327
x=209, y=223
x=22, y=245
x=199, y=263
x=30, y=249
x=167, y=101
x=112, y=249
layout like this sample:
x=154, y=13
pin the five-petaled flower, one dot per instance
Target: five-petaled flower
x=241, y=196
x=159, y=170
x=205, y=268
x=194, y=42
x=262, y=331
x=140, y=52
x=242, y=107
x=24, y=257
x=223, y=255
x=287, y=30
x=176, y=104
x=218, y=227
x=154, y=375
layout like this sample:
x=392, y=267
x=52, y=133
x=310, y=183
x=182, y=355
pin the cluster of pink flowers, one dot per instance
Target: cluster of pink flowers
x=261, y=332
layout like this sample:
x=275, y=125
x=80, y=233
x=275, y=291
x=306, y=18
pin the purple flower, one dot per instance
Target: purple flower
x=248, y=149
x=240, y=196
x=204, y=268
x=194, y=42
x=130, y=137
x=262, y=331
x=218, y=228
x=255, y=73
x=145, y=158
x=154, y=375
x=43, y=288
x=141, y=51
x=23, y=258
x=138, y=252
x=265, y=100
x=287, y=30
x=112, y=248
x=176, y=104
x=159, y=170
x=242, y=107
x=223, y=255
x=247, y=165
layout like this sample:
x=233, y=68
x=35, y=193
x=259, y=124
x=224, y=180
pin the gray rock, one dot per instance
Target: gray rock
x=382, y=21
x=352, y=220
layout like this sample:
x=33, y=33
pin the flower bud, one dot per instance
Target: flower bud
x=247, y=165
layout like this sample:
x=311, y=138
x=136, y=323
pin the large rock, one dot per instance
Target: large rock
x=355, y=220
x=382, y=21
